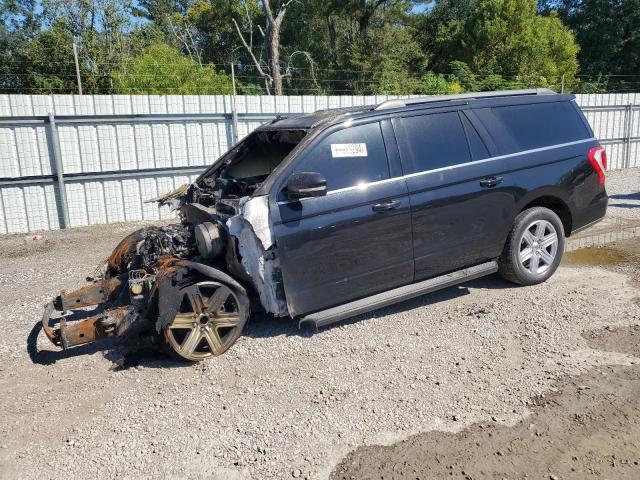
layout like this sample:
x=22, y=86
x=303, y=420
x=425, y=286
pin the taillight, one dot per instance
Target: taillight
x=598, y=159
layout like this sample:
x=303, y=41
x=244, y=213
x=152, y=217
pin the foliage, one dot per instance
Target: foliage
x=48, y=61
x=607, y=32
x=390, y=53
x=500, y=40
x=437, y=84
x=163, y=70
x=326, y=46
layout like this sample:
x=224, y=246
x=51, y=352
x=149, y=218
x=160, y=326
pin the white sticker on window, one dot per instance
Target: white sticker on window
x=339, y=150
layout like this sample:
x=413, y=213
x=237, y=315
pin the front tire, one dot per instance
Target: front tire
x=534, y=247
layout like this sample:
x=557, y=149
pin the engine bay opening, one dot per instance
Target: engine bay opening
x=247, y=166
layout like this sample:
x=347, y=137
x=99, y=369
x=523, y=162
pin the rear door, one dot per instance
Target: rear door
x=459, y=207
x=356, y=240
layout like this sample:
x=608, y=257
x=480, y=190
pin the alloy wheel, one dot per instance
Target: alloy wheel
x=208, y=321
x=538, y=247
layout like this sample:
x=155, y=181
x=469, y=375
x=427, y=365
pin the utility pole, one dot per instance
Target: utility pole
x=234, y=112
x=562, y=84
x=75, y=57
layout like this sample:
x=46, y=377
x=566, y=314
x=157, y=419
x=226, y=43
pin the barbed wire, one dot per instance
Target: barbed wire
x=285, y=70
x=298, y=80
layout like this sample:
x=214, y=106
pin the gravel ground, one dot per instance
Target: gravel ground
x=585, y=426
x=624, y=191
x=283, y=403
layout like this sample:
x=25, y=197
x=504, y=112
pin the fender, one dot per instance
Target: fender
x=168, y=286
x=555, y=194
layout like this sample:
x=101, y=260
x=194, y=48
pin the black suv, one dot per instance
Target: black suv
x=326, y=215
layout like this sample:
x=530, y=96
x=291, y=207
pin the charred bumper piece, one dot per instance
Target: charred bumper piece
x=124, y=295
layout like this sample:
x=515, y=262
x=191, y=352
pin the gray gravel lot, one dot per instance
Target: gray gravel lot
x=623, y=187
x=285, y=403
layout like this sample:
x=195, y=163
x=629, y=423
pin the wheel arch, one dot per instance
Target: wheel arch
x=555, y=201
x=167, y=287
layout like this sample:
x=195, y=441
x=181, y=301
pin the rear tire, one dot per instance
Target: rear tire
x=534, y=247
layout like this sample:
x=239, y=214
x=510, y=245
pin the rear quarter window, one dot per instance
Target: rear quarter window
x=516, y=128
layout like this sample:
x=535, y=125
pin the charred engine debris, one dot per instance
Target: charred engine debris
x=142, y=248
x=223, y=228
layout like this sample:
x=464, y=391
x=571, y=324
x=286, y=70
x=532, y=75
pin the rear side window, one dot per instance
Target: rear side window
x=516, y=128
x=433, y=141
x=349, y=157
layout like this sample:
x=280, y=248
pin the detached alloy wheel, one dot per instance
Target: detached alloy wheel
x=534, y=247
x=208, y=322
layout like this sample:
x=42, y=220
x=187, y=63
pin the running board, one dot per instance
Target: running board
x=342, y=312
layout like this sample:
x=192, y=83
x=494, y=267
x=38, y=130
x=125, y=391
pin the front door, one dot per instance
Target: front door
x=356, y=240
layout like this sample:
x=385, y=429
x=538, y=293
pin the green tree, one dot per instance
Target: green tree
x=47, y=62
x=159, y=12
x=507, y=38
x=20, y=23
x=100, y=28
x=608, y=32
x=162, y=70
x=360, y=46
x=218, y=38
x=388, y=56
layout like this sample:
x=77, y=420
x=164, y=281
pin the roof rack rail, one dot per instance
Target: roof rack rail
x=399, y=103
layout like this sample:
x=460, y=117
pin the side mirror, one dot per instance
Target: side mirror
x=306, y=184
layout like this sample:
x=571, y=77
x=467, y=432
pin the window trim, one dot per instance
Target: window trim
x=320, y=137
x=482, y=130
x=465, y=121
x=452, y=167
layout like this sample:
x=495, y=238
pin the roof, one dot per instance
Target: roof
x=324, y=117
x=315, y=119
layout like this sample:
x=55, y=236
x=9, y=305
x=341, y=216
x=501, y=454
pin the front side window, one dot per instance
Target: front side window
x=349, y=157
x=428, y=142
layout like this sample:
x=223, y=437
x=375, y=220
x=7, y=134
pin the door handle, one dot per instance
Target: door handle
x=490, y=182
x=385, y=207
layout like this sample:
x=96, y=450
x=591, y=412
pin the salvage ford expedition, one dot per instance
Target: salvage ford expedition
x=327, y=215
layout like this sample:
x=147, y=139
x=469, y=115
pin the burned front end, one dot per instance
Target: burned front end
x=189, y=286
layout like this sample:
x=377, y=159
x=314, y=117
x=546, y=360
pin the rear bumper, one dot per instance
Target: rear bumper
x=592, y=214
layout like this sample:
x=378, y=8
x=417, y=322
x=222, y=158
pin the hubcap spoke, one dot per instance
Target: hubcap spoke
x=534, y=262
x=226, y=320
x=213, y=339
x=549, y=240
x=540, y=229
x=195, y=299
x=218, y=299
x=529, y=238
x=182, y=320
x=546, y=257
x=526, y=254
x=190, y=343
